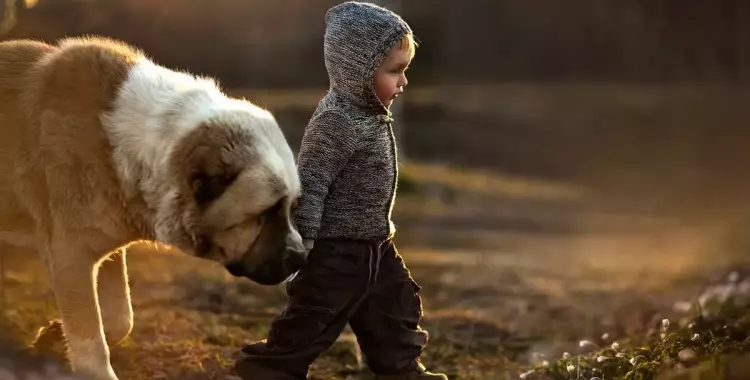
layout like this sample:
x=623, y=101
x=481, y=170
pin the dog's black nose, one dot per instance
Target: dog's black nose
x=236, y=269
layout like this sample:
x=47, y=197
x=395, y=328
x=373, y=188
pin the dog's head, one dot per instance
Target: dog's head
x=231, y=190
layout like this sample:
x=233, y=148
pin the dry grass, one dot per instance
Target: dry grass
x=710, y=340
x=491, y=313
x=486, y=313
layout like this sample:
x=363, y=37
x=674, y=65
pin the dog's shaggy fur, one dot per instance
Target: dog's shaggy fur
x=100, y=147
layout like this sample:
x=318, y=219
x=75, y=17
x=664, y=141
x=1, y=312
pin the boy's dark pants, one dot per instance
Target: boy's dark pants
x=361, y=283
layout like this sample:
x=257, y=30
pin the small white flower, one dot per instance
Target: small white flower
x=566, y=355
x=602, y=359
x=620, y=355
x=605, y=336
x=691, y=325
x=695, y=337
x=633, y=361
x=665, y=323
x=616, y=346
x=525, y=374
x=545, y=363
x=585, y=343
x=571, y=368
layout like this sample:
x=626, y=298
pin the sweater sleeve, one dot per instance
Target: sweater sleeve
x=328, y=143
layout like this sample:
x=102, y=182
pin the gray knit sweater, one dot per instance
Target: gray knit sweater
x=347, y=161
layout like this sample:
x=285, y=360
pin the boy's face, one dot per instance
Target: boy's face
x=390, y=78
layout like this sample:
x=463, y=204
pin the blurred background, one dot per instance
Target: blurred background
x=639, y=103
x=547, y=143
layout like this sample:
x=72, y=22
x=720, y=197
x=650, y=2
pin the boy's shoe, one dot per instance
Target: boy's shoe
x=419, y=373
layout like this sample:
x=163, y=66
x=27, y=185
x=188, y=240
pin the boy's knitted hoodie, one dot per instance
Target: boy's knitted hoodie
x=347, y=161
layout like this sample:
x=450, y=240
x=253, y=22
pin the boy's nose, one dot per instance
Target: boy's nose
x=403, y=81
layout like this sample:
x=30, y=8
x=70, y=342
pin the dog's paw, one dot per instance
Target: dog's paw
x=50, y=339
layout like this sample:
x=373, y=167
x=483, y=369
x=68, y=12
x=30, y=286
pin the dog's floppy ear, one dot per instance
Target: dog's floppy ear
x=209, y=174
x=209, y=159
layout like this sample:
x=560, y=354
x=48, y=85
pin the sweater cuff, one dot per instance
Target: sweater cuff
x=306, y=232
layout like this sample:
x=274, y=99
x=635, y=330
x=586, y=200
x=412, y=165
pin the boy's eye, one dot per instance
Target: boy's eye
x=400, y=69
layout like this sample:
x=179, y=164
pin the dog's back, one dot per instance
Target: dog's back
x=81, y=74
x=51, y=98
x=17, y=57
x=17, y=61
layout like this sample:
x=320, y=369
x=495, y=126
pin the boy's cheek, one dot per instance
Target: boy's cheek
x=385, y=92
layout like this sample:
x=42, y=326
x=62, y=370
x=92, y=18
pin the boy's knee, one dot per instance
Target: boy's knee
x=399, y=356
x=402, y=299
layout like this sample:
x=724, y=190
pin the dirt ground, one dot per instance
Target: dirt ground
x=525, y=282
x=487, y=313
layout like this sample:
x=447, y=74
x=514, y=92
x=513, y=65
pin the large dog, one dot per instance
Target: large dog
x=100, y=147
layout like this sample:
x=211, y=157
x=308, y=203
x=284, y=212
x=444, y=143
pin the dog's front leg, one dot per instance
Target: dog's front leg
x=73, y=279
x=114, y=298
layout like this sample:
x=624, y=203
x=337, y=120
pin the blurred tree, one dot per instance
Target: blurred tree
x=9, y=20
x=277, y=44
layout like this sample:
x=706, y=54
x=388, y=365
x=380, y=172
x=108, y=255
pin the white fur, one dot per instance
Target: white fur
x=145, y=125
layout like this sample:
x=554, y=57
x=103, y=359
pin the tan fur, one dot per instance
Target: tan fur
x=74, y=191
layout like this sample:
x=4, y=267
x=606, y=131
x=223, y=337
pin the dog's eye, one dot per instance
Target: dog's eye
x=208, y=188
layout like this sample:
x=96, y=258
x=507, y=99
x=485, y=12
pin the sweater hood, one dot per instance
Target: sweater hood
x=358, y=36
